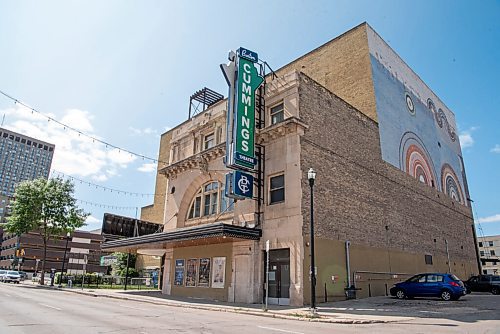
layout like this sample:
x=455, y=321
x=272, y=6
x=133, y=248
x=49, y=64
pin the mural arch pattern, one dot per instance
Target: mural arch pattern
x=451, y=184
x=415, y=160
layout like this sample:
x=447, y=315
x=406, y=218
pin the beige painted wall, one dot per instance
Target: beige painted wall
x=331, y=261
x=197, y=252
x=144, y=261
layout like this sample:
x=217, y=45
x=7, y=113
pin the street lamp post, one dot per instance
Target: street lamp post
x=311, y=175
x=64, y=258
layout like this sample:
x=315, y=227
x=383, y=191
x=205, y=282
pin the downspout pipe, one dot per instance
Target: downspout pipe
x=348, y=261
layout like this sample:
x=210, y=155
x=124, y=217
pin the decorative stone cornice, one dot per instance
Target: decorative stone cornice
x=264, y=136
x=198, y=161
x=281, y=129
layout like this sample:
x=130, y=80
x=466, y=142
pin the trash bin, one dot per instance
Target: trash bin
x=350, y=292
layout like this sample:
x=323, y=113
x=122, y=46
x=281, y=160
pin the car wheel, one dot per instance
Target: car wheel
x=495, y=290
x=400, y=294
x=446, y=295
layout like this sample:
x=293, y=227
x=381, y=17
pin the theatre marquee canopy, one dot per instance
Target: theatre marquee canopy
x=201, y=234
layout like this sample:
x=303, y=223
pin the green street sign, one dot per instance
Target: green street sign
x=248, y=81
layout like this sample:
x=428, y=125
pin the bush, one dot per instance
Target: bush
x=131, y=272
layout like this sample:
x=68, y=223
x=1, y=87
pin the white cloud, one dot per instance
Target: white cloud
x=142, y=132
x=147, y=168
x=490, y=219
x=74, y=154
x=495, y=149
x=465, y=137
x=92, y=223
x=78, y=119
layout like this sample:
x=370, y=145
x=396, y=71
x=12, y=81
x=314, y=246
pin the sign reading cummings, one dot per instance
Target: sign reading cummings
x=243, y=80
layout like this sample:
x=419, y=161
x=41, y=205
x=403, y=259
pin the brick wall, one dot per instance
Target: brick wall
x=343, y=66
x=155, y=212
x=361, y=198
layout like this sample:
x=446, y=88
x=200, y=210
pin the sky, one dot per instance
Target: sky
x=123, y=71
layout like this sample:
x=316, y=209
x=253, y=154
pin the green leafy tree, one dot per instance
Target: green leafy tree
x=120, y=267
x=46, y=206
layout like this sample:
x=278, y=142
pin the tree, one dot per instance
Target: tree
x=45, y=206
x=120, y=267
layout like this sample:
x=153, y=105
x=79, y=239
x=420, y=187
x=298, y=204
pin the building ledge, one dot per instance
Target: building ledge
x=199, y=160
x=281, y=129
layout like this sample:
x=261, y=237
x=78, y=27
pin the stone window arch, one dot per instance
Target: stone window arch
x=209, y=200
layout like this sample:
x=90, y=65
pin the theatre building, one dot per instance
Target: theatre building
x=390, y=195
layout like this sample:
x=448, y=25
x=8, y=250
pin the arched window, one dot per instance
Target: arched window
x=210, y=200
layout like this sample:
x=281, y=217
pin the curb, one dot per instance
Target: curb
x=268, y=314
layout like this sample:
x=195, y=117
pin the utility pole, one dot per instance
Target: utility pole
x=126, y=272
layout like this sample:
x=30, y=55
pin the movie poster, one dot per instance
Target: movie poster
x=191, y=272
x=204, y=273
x=218, y=272
x=179, y=273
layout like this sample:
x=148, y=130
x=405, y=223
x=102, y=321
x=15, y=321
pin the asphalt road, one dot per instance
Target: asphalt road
x=25, y=309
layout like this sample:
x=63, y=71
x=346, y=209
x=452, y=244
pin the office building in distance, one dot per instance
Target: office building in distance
x=21, y=158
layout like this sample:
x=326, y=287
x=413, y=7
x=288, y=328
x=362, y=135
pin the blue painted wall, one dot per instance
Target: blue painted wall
x=400, y=125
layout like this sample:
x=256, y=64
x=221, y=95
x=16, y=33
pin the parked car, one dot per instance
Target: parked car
x=446, y=286
x=10, y=276
x=483, y=283
x=24, y=275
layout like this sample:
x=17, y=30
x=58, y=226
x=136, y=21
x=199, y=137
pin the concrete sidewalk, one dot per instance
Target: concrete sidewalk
x=326, y=313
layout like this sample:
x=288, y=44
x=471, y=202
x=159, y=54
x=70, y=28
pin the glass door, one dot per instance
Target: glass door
x=279, y=277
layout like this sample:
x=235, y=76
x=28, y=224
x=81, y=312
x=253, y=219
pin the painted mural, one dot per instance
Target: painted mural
x=417, y=131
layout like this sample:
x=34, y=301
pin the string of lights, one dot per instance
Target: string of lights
x=106, y=206
x=81, y=133
x=58, y=174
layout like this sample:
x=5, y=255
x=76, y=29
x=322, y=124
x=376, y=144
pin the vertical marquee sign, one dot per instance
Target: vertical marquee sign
x=243, y=80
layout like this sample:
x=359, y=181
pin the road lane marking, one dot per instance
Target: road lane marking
x=55, y=308
x=7, y=295
x=134, y=308
x=279, y=330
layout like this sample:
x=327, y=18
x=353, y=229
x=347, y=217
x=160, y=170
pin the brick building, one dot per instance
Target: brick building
x=25, y=252
x=391, y=195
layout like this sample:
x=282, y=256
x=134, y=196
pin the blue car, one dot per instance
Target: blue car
x=446, y=286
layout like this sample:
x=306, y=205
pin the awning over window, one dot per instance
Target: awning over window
x=211, y=233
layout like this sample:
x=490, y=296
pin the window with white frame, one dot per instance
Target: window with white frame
x=210, y=200
x=195, y=210
x=208, y=141
x=277, y=113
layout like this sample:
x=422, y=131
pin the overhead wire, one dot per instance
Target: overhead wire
x=98, y=186
x=81, y=133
